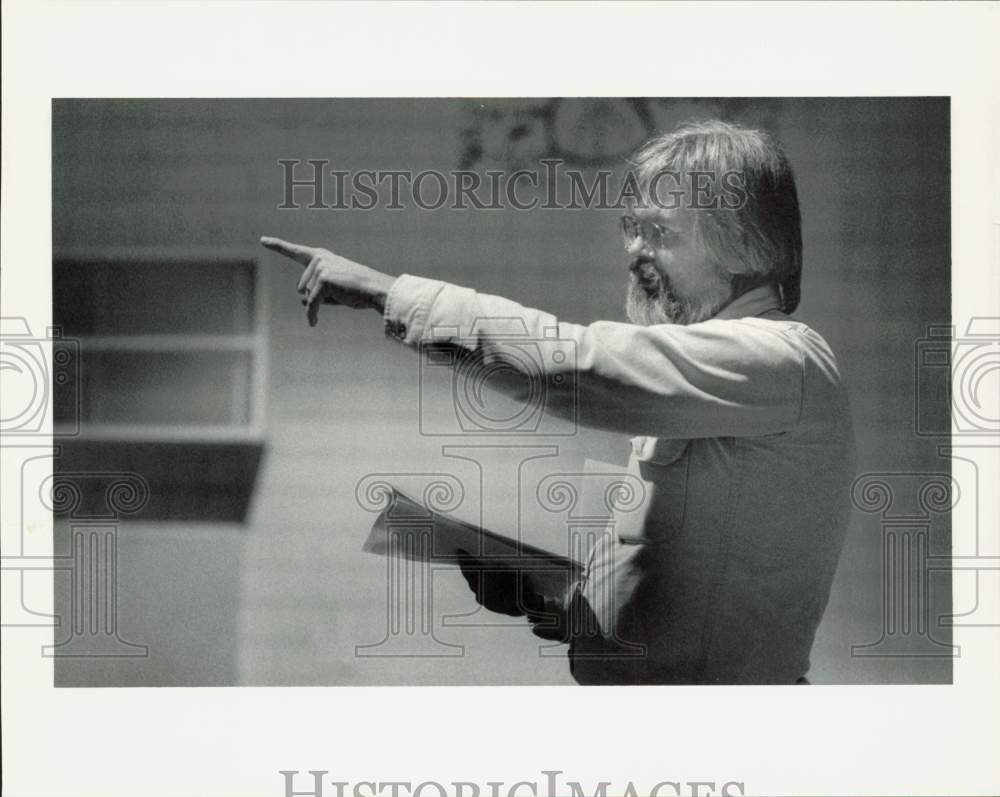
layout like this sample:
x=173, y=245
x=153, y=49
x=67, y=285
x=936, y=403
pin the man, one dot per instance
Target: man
x=740, y=426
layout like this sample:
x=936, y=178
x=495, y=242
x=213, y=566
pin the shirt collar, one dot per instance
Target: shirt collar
x=757, y=301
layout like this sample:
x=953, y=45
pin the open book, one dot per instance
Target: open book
x=408, y=529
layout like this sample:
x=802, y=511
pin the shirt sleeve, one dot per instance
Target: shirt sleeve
x=718, y=378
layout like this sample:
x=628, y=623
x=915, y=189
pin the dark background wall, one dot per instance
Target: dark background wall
x=285, y=598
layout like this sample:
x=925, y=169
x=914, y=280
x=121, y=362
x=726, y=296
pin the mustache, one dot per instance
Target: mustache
x=646, y=276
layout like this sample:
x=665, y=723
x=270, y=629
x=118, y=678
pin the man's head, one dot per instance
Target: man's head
x=718, y=216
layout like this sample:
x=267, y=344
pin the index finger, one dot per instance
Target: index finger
x=298, y=252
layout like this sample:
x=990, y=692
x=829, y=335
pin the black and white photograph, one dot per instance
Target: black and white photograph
x=484, y=400
x=670, y=342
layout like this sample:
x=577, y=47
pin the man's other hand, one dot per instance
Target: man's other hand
x=331, y=279
x=502, y=589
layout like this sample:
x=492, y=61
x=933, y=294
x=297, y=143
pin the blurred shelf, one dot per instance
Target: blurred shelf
x=147, y=433
x=200, y=480
x=164, y=374
x=167, y=343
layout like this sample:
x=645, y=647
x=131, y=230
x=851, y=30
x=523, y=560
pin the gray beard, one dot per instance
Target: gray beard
x=650, y=300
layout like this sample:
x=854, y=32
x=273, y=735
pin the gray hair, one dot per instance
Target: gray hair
x=755, y=241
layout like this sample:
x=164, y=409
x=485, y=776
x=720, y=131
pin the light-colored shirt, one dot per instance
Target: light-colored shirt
x=743, y=438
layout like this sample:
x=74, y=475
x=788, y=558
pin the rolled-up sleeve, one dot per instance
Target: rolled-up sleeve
x=718, y=378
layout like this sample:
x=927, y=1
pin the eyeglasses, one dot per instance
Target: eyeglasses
x=651, y=234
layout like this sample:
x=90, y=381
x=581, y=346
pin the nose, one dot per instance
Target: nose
x=640, y=249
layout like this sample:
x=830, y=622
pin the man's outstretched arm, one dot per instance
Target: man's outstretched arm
x=730, y=378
